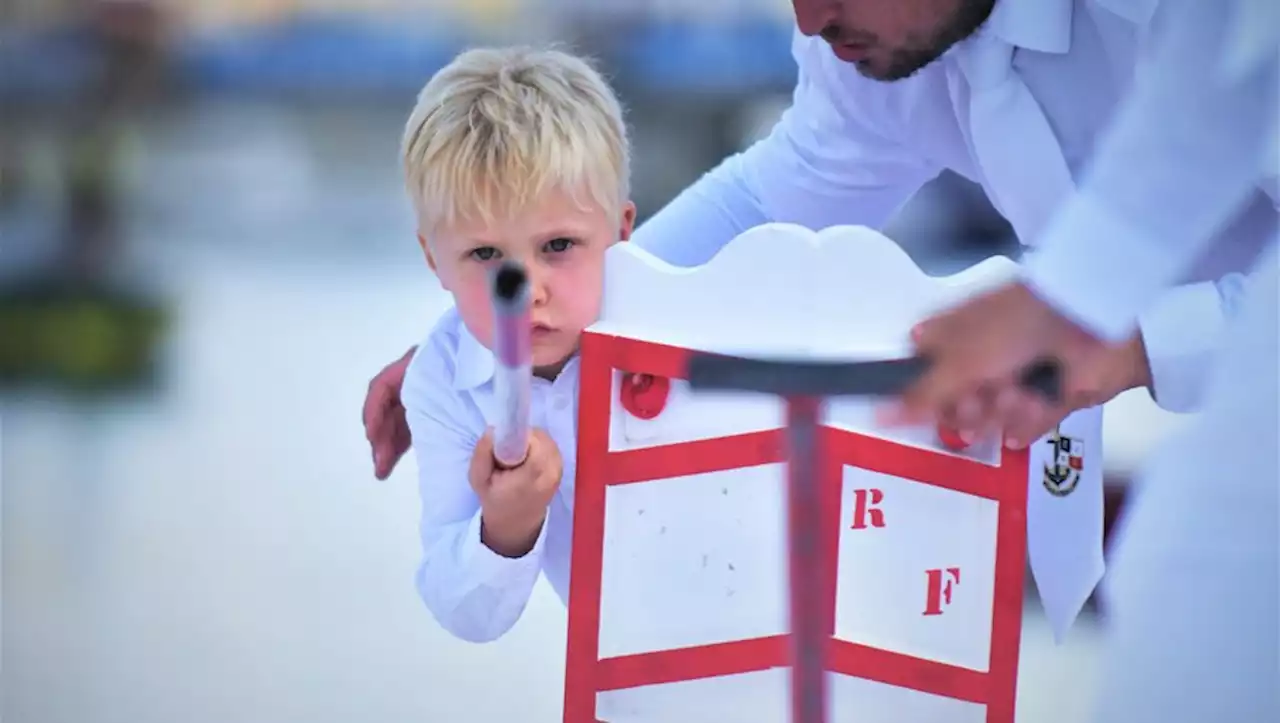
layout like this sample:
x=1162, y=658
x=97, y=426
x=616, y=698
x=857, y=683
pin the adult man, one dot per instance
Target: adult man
x=853, y=149
x=1195, y=599
x=1009, y=93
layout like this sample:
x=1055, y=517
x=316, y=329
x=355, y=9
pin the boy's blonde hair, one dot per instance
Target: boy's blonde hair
x=496, y=128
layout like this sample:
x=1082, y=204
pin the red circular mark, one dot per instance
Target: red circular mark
x=644, y=395
x=951, y=439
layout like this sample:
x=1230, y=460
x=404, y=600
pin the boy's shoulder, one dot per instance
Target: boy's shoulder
x=449, y=362
x=436, y=359
x=434, y=365
x=433, y=393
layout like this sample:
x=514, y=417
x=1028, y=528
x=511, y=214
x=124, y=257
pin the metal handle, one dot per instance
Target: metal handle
x=513, y=368
x=794, y=377
x=1044, y=377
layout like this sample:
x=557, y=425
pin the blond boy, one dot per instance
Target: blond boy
x=517, y=154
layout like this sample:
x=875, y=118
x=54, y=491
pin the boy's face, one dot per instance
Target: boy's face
x=561, y=246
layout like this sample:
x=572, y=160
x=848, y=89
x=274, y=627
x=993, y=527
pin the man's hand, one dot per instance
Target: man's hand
x=384, y=421
x=980, y=348
x=513, y=502
x=1025, y=416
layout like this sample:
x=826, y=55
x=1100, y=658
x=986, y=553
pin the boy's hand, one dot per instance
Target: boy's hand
x=513, y=502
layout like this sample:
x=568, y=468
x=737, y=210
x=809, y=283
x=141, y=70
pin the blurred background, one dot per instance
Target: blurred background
x=205, y=254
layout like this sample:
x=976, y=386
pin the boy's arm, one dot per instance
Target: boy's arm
x=475, y=593
x=833, y=158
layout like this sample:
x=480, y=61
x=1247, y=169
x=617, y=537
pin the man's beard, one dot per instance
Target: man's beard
x=905, y=62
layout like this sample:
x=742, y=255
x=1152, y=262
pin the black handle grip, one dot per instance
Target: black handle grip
x=798, y=377
x=1044, y=377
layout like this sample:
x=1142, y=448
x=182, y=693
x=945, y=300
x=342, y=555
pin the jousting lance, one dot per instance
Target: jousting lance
x=513, y=368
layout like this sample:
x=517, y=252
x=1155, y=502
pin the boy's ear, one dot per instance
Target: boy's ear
x=628, y=221
x=426, y=251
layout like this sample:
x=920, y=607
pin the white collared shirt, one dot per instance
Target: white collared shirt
x=472, y=591
x=851, y=150
x=1191, y=142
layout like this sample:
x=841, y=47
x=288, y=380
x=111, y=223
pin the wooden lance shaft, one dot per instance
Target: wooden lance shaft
x=513, y=367
x=804, y=384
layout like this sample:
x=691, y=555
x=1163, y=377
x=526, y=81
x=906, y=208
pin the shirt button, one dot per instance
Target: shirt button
x=561, y=403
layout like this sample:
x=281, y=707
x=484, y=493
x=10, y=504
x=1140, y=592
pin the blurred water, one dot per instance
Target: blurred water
x=219, y=551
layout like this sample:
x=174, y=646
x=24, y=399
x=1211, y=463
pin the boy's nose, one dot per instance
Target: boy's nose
x=537, y=287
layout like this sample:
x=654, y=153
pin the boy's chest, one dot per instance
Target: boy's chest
x=555, y=409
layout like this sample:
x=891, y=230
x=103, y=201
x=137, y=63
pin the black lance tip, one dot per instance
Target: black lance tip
x=510, y=284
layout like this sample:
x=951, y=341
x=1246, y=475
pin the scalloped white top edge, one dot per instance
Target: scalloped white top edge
x=782, y=289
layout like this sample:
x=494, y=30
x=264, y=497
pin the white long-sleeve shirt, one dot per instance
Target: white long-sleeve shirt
x=850, y=150
x=1194, y=595
x=475, y=593
x=1187, y=149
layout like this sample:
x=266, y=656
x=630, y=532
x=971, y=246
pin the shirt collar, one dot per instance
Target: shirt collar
x=1040, y=25
x=474, y=362
x=1138, y=12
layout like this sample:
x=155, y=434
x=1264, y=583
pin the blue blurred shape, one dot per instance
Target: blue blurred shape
x=318, y=54
x=47, y=65
x=729, y=56
x=308, y=55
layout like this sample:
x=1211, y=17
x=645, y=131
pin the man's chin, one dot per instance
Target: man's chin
x=884, y=74
x=872, y=72
x=899, y=65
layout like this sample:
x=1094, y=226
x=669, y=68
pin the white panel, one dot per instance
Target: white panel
x=882, y=584
x=757, y=697
x=690, y=416
x=864, y=701
x=858, y=415
x=762, y=697
x=693, y=560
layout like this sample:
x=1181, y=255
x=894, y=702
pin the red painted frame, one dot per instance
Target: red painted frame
x=586, y=674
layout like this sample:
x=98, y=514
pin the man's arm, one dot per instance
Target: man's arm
x=1112, y=253
x=475, y=593
x=1181, y=333
x=831, y=159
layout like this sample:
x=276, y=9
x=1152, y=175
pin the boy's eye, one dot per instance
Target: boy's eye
x=559, y=245
x=484, y=253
